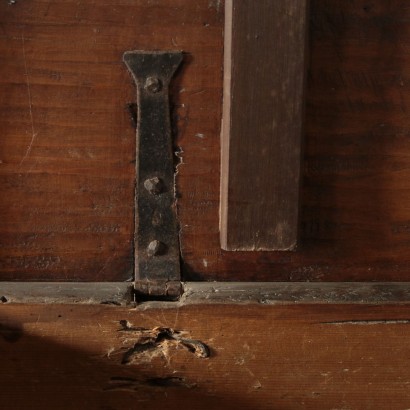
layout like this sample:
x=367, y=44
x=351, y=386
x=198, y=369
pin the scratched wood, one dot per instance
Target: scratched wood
x=262, y=124
x=287, y=357
x=67, y=141
x=356, y=195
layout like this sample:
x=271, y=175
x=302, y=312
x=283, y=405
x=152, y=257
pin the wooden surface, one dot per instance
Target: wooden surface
x=267, y=293
x=288, y=358
x=67, y=146
x=356, y=192
x=66, y=206
x=67, y=138
x=277, y=293
x=261, y=141
x=108, y=293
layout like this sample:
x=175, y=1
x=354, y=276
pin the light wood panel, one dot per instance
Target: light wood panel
x=284, y=357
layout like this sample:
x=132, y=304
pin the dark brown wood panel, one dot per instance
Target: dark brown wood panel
x=284, y=357
x=67, y=187
x=264, y=72
x=67, y=140
x=356, y=190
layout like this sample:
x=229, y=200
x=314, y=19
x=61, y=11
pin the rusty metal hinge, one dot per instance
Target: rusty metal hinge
x=157, y=254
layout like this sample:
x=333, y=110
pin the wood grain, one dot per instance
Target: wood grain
x=264, y=72
x=67, y=140
x=193, y=293
x=109, y=293
x=287, y=357
x=355, y=190
x=66, y=212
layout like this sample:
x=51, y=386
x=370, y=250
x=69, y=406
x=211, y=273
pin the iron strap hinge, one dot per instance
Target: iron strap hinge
x=157, y=254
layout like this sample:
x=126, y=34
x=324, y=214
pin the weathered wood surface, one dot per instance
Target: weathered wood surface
x=269, y=293
x=67, y=208
x=262, y=123
x=67, y=139
x=272, y=293
x=110, y=293
x=288, y=358
x=356, y=192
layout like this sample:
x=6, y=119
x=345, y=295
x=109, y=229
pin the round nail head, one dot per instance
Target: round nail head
x=153, y=185
x=154, y=248
x=153, y=84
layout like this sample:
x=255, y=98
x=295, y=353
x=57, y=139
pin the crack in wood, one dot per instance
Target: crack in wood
x=130, y=383
x=368, y=322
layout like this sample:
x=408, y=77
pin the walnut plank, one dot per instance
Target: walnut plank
x=262, y=123
x=262, y=357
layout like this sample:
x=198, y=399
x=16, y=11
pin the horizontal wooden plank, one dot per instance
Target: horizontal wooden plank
x=267, y=293
x=111, y=293
x=262, y=357
x=271, y=293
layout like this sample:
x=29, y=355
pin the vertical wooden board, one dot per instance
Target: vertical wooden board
x=355, y=219
x=262, y=123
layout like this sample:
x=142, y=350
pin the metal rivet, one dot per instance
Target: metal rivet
x=153, y=84
x=153, y=185
x=155, y=248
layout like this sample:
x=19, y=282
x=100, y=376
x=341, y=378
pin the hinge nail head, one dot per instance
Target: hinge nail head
x=153, y=185
x=153, y=84
x=155, y=248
